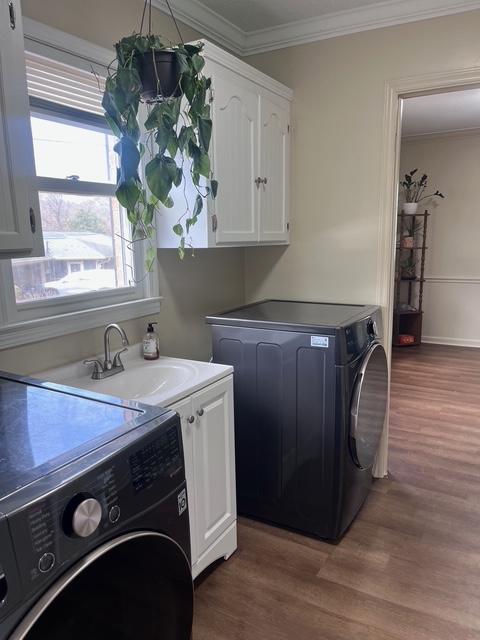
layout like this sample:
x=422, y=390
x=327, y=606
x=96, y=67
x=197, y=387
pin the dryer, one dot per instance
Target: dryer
x=311, y=389
x=94, y=534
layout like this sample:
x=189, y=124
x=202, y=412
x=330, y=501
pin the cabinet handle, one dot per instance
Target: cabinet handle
x=11, y=11
x=191, y=419
x=258, y=182
x=264, y=181
x=200, y=412
x=33, y=222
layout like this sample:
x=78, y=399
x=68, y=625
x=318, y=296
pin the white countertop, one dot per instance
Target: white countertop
x=159, y=382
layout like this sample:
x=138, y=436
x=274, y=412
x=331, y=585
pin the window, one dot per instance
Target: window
x=89, y=262
x=85, y=236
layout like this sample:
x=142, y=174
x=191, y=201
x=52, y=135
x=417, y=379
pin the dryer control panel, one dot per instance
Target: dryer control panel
x=94, y=501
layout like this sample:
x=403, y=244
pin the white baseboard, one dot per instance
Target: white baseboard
x=454, y=342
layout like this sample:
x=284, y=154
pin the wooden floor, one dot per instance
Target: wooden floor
x=409, y=567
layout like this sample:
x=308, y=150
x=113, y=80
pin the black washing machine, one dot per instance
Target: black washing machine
x=311, y=389
x=94, y=534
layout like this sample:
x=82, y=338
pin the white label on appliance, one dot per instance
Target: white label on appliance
x=319, y=341
x=182, y=501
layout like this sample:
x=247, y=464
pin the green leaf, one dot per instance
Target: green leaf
x=188, y=87
x=129, y=158
x=128, y=194
x=197, y=209
x=172, y=145
x=162, y=138
x=214, y=188
x=201, y=165
x=198, y=62
x=113, y=126
x=149, y=213
x=158, y=180
x=178, y=229
x=182, y=61
x=204, y=133
x=150, y=255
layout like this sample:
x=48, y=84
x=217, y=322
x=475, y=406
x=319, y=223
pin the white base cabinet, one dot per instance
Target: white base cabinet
x=249, y=155
x=209, y=449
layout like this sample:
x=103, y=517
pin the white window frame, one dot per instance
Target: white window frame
x=40, y=320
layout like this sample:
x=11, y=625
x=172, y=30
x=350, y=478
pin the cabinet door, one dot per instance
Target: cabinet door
x=214, y=453
x=184, y=409
x=234, y=156
x=18, y=197
x=274, y=168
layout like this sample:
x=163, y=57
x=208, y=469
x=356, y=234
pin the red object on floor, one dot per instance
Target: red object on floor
x=405, y=338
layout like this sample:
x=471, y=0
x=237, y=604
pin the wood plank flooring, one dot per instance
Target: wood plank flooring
x=409, y=568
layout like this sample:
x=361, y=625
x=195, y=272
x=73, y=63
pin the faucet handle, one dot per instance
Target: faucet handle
x=98, y=366
x=117, y=362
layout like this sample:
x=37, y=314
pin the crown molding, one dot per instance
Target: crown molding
x=384, y=14
x=209, y=23
x=466, y=132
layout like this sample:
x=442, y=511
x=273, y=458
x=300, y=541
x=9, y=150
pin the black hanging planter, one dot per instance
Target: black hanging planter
x=160, y=75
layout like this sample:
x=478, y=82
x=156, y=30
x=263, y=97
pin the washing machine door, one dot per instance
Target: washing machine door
x=138, y=586
x=369, y=407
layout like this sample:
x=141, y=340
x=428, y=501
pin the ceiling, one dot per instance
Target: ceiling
x=253, y=26
x=251, y=15
x=441, y=113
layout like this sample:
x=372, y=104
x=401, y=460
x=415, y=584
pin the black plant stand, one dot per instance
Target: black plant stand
x=409, y=287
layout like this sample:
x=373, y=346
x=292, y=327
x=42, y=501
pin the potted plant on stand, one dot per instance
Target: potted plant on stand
x=175, y=129
x=414, y=192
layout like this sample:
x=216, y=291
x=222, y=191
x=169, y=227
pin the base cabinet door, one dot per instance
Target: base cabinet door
x=214, y=469
x=184, y=409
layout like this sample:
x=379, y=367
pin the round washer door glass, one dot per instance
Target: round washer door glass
x=136, y=587
x=369, y=407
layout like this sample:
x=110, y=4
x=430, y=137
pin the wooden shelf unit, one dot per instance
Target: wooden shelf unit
x=409, y=321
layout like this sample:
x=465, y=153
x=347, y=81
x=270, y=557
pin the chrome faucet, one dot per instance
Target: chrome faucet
x=109, y=367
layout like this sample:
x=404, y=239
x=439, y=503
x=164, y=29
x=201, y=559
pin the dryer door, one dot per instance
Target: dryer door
x=138, y=585
x=369, y=407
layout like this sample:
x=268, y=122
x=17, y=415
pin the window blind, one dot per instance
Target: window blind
x=63, y=84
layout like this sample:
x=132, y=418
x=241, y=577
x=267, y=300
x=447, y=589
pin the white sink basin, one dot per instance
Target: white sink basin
x=157, y=382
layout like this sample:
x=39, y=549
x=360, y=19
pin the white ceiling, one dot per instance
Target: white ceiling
x=253, y=26
x=442, y=112
x=251, y=15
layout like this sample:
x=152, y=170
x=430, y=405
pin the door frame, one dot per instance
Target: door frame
x=394, y=93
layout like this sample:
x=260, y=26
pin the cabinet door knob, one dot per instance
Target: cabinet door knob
x=200, y=412
x=258, y=182
x=264, y=181
x=191, y=419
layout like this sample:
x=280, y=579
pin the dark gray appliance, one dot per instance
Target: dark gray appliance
x=94, y=534
x=311, y=388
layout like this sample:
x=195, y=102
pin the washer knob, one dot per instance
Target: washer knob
x=86, y=517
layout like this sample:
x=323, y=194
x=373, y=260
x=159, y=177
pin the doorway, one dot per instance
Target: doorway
x=397, y=94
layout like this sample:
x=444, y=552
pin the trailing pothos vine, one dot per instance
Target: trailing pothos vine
x=178, y=130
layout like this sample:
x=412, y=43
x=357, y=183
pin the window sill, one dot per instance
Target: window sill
x=21, y=333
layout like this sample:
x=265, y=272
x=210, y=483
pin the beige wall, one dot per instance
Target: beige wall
x=452, y=307
x=212, y=281
x=337, y=135
x=338, y=110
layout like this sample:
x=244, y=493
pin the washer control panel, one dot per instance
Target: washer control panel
x=54, y=531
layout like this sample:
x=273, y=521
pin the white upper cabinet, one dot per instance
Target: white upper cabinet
x=20, y=232
x=249, y=155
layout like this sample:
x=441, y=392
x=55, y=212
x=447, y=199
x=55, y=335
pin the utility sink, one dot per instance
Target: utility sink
x=158, y=382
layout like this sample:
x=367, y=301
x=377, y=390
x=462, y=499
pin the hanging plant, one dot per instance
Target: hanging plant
x=178, y=126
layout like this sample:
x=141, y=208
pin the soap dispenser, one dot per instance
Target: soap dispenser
x=151, y=345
